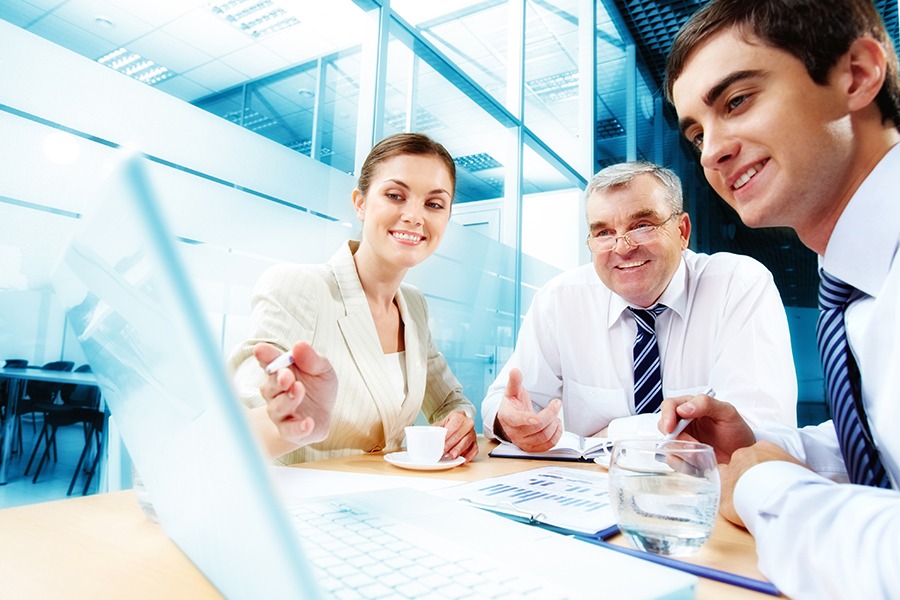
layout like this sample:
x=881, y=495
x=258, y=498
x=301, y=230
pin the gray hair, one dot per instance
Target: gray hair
x=622, y=174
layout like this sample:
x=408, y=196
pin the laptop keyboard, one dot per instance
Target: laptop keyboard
x=358, y=554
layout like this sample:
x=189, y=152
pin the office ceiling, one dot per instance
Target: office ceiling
x=209, y=59
x=206, y=52
x=207, y=55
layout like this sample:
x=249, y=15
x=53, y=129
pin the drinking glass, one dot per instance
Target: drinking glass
x=665, y=494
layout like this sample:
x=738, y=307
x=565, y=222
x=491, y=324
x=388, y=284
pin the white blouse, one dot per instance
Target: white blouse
x=396, y=372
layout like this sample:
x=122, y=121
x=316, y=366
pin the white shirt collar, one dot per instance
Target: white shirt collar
x=866, y=236
x=674, y=296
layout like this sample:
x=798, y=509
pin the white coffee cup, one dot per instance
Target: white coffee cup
x=424, y=443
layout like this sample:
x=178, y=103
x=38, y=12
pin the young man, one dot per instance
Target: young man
x=793, y=107
x=705, y=321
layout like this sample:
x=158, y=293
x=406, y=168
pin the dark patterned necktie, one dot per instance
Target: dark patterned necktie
x=647, y=372
x=843, y=388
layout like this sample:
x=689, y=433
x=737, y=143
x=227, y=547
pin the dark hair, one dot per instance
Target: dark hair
x=817, y=32
x=398, y=145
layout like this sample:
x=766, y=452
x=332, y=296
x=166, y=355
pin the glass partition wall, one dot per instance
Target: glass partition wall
x=530, y=97
x=498, y=84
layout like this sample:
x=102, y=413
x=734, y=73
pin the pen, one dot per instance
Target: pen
x=284, y=360
x=683, y=423
x=708, y=572
x=504, y=507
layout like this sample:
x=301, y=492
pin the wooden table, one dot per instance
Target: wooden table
x=102, y=546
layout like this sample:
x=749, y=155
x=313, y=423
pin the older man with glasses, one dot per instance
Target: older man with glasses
x=648, y=319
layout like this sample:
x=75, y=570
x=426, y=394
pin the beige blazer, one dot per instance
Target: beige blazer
x=326, y=306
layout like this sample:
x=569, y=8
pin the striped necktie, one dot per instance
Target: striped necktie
x=647, y=372
x=843, y=388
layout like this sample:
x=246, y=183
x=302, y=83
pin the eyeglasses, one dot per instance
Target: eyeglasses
x=634, y=238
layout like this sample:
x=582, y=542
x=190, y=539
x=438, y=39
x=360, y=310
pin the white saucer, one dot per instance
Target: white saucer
x=603, y=459
x=401, y=459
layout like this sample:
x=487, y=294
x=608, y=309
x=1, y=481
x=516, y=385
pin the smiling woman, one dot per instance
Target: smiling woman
x=356, y=312
x=404, y=214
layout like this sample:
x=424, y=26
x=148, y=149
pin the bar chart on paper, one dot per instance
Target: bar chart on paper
x=570, y=499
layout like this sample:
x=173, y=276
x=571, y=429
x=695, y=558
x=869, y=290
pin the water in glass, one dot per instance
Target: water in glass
x=665, y=494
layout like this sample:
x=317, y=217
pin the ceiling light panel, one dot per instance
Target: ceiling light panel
x=135, y=66
x=477, y=162
x=555, y=87
x=424, y=122
x=256, y=18
x=608, y=129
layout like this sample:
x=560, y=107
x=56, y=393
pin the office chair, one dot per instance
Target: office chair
x=39, y=392
x=43, y=391
x=51, y=397
x=59, y=365
x=10, y=363
x=80, y=404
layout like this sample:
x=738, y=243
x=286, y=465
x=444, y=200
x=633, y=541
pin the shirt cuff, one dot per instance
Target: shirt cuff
x=761, y=492
x=488, y=418
x=773, y=433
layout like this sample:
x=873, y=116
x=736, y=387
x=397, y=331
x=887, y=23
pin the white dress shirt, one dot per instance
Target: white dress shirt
x=725, y=327
x=817, y=538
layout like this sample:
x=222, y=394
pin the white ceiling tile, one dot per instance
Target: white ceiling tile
x=74, y=38
x=277, y=102
x=299, y=44
x=216, y=76
x=290, y=87
x=202, y=29
x=46, y=5
x=255, y=61
x=84, y=13
x=19, y=14
x=158, y=12
x=170, y=52
x=184, y=88
x=416, y=11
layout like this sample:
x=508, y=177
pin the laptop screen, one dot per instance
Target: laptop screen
x=131, y=304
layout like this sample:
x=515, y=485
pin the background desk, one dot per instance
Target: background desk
x=17, y=377
x=103, y=547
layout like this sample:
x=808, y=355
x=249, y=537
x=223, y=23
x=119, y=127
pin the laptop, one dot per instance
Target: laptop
x=133, y=307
